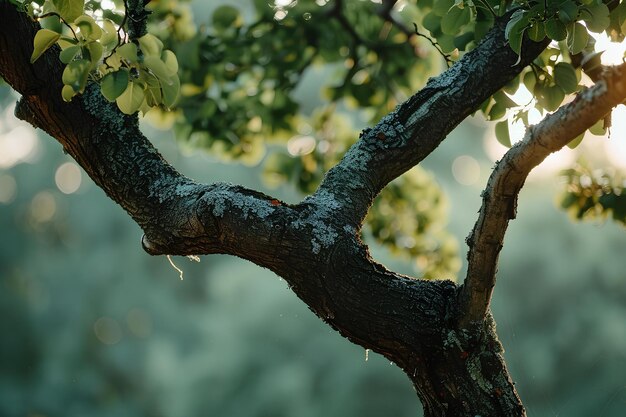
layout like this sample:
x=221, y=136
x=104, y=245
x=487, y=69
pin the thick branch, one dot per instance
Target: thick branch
x=500, y=196
x=314, y=245
x=406, y=136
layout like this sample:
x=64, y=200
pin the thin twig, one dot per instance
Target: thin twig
x=436, y=45
x=61, y=19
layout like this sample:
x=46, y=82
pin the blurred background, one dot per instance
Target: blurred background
x=92, y=325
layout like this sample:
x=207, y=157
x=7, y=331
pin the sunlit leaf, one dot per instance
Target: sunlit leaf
x=171, y=92
x=596, y=17
x=69, y=53
x=89, y=29
x=44, y=39
x=75, y=74
x=131, y=99
x=158, y=68
x=576, y=141
x=502, y=133
x=114, y=84
x=128, y=51
x=150, y=45
x=565, y=77
x=577, y=37
x=69, y=9
x=67, y=93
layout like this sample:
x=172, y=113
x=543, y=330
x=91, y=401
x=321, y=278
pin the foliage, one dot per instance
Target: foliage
x=594, y=193
x=137, y=74
x=233, y=83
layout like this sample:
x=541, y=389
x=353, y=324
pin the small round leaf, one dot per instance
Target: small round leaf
x=114, y=84
x=44, y=39
x=565, y=77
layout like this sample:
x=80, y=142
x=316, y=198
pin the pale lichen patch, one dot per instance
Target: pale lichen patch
x=224, y=197
x=323, y=208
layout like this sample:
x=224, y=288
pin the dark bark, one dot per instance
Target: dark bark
x=315, y=246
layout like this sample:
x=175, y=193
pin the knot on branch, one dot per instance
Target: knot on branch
x=148, y=246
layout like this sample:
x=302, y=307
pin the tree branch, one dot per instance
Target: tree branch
x=500, y=196
x=410, y=133
x=314, y=245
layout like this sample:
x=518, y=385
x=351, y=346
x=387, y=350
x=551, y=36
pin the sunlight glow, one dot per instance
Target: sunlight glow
x=613, y=146
x=613, y=51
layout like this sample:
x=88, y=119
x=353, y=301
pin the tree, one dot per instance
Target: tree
x=441, y=334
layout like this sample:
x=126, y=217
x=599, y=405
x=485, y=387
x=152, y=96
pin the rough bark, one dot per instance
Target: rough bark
x=313, y=245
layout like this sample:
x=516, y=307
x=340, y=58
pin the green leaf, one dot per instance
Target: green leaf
x=69, y=53
x=114, y=84
x=432, y=22
x=454, y=20
x=67, y=93
x=577, y=37
x=89, y=29
x=171, y=92
x=131, y=99
x=170, y=60
x=446, y=42
x=502, y=133
x=536, y=32
x=158, y=68
x=75, y=74
x=530, y=81
x=150, y=45
x=128, y=51
x=576, y=141
x=552, y=97
x=463, y=40
x=109, y=38
x=565, y=77
x=596, y=17
x=441, y=7
x=598, y=128
x=555, y=29
x=69, y=9
x=568, y=11
x=66, y=42
x=95, y=53
x=514, y=31
x=44, y=39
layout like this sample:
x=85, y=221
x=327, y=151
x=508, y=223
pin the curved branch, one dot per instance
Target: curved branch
x=500, y=196
x=406, y=136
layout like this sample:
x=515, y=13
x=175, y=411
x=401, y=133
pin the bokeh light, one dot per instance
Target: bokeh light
x=466, y=170
x=107, y=330
x=68, y=178
x=8, y=189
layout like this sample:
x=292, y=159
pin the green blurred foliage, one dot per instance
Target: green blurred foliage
x=594, y=194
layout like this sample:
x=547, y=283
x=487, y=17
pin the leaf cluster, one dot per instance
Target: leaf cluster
x=137, y=75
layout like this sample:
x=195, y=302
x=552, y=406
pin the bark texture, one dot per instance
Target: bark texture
x=457, y=370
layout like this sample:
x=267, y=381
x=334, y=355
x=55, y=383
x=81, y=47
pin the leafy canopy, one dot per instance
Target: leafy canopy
x=228, y=85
